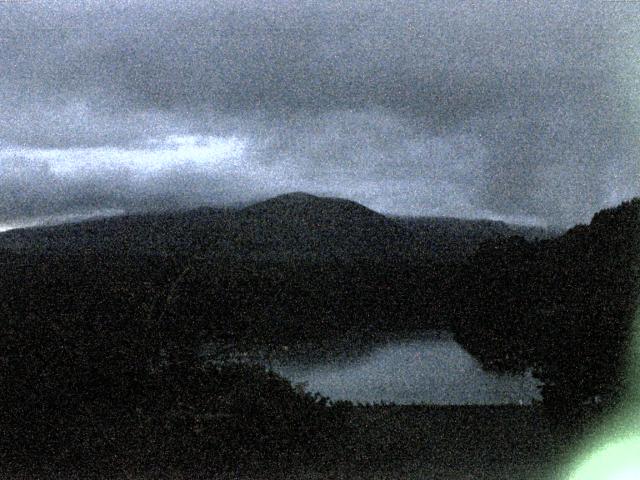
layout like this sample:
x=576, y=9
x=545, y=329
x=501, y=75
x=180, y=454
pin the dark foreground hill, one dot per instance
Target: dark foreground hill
x=381, y=442
x=101, y=324
x=564, y=307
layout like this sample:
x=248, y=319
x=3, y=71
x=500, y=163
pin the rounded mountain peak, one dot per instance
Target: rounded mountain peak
x=289, y=203
x=297, y=196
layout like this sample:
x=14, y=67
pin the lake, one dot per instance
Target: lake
x=431, y=369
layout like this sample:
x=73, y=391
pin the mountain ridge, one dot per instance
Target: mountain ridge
x=295, y=225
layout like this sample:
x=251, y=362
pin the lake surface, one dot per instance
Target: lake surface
x=432, y=369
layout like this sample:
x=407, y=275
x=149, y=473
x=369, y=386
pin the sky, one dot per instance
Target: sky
x=527, y=112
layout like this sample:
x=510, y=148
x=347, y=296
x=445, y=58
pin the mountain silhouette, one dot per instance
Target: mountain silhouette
x=289, y=227
x=301, y=225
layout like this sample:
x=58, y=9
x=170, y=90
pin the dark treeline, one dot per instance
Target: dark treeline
x=563, y=307
x=100, y=357
x=274, y=303
x=99, y=346
x=100, y=373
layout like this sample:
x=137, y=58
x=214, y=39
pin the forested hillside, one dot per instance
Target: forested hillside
x=562, y=306
x=100, y=340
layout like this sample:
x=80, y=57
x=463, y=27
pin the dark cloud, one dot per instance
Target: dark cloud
x=491, y=109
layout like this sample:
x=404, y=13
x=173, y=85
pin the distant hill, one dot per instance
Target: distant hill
x=300, y=225
x=453, y=238
x=294, y=226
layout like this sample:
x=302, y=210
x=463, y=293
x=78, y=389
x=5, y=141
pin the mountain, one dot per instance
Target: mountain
x=293, y=226
x=287, y=227
x=137, y=234
x=301, y=225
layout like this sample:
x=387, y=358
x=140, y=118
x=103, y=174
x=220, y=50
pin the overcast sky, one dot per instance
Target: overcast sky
x=521, y=111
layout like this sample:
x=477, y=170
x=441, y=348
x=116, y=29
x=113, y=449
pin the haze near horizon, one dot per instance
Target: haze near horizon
x=526, y=114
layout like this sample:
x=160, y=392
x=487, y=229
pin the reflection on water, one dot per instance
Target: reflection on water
x=434, y=370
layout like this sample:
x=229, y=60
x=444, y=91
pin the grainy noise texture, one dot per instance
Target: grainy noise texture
x=528, y=114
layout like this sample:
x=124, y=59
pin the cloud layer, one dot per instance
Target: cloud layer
x=529, y=112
